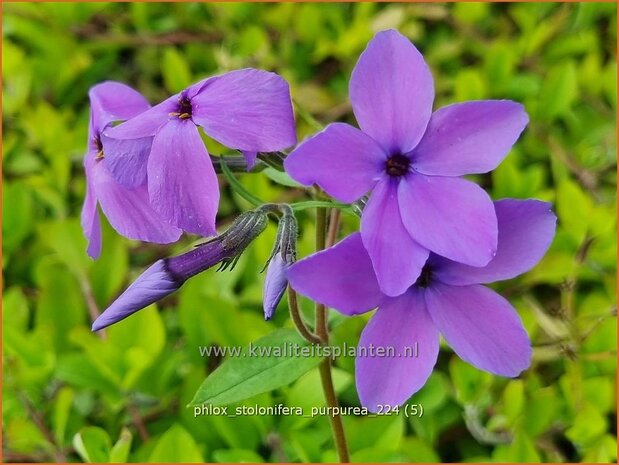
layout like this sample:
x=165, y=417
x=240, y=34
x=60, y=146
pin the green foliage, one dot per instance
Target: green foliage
x=72, y=395
x=248, y=375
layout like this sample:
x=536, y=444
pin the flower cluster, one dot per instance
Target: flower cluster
x=429, y=239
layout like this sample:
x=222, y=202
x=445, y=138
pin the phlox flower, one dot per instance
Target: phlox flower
x=448, y=298
x=248, y=109
x=411, y=160
x=127, y=208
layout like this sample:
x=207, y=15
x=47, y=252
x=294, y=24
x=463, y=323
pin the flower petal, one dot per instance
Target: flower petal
x=90, y=216
x=126, y=159
x=145, y=124
x=250, y=158
x=526, y=230
x=481, y=327
x=248, y=109
x=392, y=91
x=452, y=217
x=396, y=257
x=469, y=137
x=402, y=330
x=341, y=159
x=114, y=101
x=129, y=210
x=340, y=277
x=152, y=285
x=182, y=183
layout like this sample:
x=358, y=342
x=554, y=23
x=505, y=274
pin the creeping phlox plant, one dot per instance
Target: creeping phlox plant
x=428, y=242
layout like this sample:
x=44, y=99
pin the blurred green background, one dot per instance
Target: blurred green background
x=70, y=396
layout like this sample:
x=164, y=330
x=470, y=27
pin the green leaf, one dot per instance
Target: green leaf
x=237, y=456
x=176, y=445
x=92, y=444
x=15, y=305
x=588, y=425
x=280, y=177
x=418, y=451
x=120, y=450
x=243, y=377
x=559, y=91
x=175, y=70
x=521, y=450
x=62, y=410
x=66, y=238
x=18, y=219
x=513, y=400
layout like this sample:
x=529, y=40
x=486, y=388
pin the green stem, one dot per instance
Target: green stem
x=322, y=330
x=297, y=319
x=320, y=204
x=237, y=186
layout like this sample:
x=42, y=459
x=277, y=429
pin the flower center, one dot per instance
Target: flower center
x=184, y=108
x=397, y=165
x=425, y=278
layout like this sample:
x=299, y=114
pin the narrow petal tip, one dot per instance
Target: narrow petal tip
x=152, y=285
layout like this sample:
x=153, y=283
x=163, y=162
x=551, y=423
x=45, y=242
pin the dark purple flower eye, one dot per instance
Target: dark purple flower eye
x=184, y=110
x=397, y=165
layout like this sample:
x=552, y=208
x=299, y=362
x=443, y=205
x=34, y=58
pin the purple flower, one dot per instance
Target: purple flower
x=127, y=208
x=165, y=276
x=249, y=110
x=411, y=160
x=448, y=298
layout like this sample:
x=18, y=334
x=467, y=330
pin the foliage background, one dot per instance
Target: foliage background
x=68, y=395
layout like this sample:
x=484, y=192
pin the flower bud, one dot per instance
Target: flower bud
x=167, y=275
x=283, y=255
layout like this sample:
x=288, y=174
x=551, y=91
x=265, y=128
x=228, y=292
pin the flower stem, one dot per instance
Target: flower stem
x=321, y=312
x=322, y=330
x=336, y=419
x=297, y=319
x=334, y=226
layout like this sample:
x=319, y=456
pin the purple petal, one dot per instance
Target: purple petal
x=126, y=159
x=275, y=285
x=526, y=230
x=114, y=101
x=250, y=157
x=182, y=183
x=90, y=217
x=469, y=137
x=341, y=159
x=392, y=91
x=403, y=326
x=248, y=109
x=340, y=277
x=452, y=217
x=145, y=124
x=481, y=327
x=129, y=210
x=396, y=257
x=152, y=285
